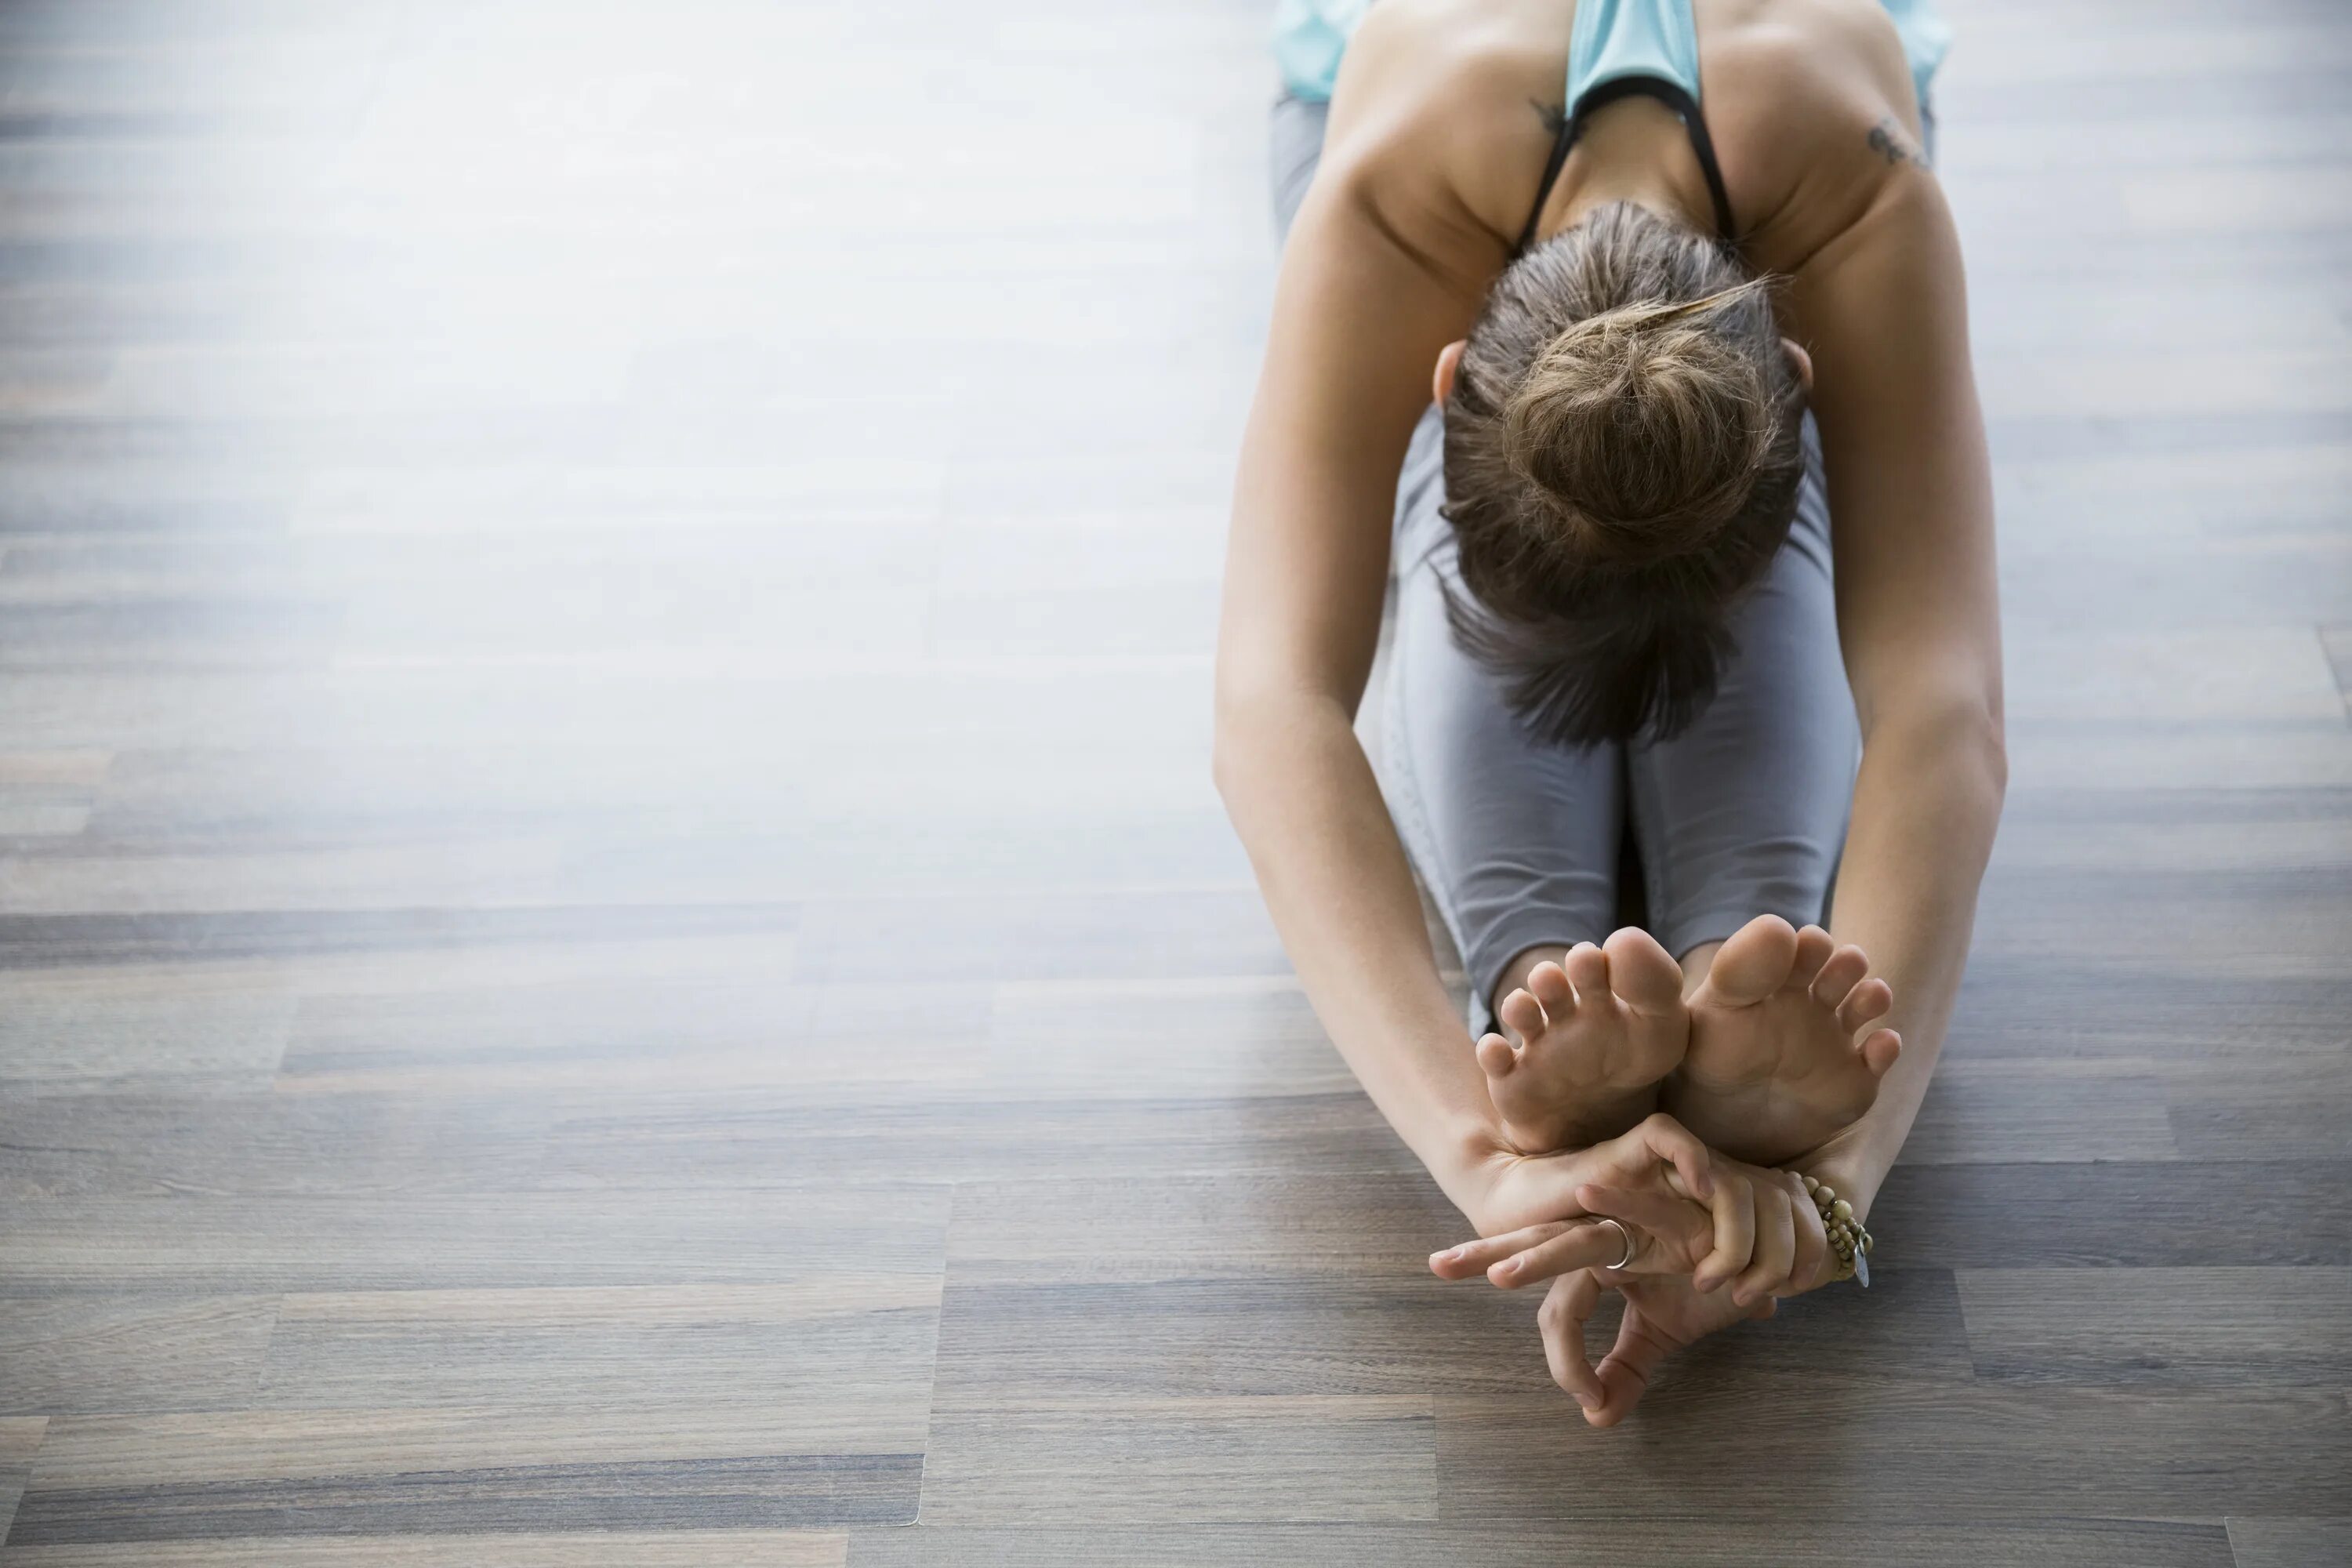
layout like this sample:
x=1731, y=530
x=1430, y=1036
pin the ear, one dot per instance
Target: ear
x=1797, y=356
x=1448, y=359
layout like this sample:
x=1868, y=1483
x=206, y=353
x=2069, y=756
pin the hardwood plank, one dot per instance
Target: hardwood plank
x=2270, y=1105
x=2016, y=1109
x=853, y=1343
x=1043, y=937
x=2217, y=1328
x=1593, y=1543
x=84, y=1355
x=2241, y=1213
x=125, y=1143
x=244, y=1245
x=94, y=938
x=461, y=1469
x=74, y=1029
x=1981, y=1450
x=2335, y=641
x=1203, y=1461
x=20, y=1440
x=567, y=1549
x=757, y=1137
x=2290, y=1542
x=655, y=1033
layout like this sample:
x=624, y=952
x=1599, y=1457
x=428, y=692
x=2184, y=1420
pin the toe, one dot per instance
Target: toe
x=1643, y=973
x=1815, y=948
x=1588, y=969
x=1754, y=961
x=1495, y=1057
x=1522, y=1015
x=1551, y=984
x=1840, y=975
x=1879, y=1051
x=1865, y=1004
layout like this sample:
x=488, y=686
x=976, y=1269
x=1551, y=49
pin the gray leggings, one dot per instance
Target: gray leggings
x=1517, y=840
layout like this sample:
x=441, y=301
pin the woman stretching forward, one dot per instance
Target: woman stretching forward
x=1678, y=315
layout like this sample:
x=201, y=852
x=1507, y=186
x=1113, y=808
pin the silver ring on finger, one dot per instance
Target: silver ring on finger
x=1622, y=1235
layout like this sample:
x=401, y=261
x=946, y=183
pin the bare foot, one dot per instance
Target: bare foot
x=1773, y=1069
x=1596, y=1031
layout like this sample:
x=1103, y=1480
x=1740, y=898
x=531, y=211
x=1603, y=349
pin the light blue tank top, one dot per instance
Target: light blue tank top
x=1612, y=39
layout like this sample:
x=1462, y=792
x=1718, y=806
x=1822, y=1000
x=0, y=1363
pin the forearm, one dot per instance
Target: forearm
x=1302, y=796
x=1925, y=808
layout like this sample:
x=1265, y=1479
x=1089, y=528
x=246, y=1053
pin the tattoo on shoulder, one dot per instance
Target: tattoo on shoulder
x=1553, y=115
x=1889, y=142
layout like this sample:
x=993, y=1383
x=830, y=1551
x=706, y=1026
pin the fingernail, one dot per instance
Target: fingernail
x=1509, y=1266
x=1588, y=1402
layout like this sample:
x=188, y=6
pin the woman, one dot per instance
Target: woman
x=1677, y=315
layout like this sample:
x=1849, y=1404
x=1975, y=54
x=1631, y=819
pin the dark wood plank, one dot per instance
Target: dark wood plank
x=2291, y=1542
x=20, y=1439
x=2161, y=1215
x=2211, y=1328
x=459, y=1469
x=506, y=1549
x=1943, y=1453
x=1593, y=1543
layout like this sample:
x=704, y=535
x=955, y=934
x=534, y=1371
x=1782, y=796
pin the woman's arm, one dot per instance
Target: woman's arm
x=1885, y=314
x=1360, y=312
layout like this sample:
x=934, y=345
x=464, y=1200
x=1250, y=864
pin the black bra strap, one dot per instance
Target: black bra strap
x=1685, y=108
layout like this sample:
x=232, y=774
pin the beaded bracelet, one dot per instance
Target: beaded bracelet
x=1850, y=1244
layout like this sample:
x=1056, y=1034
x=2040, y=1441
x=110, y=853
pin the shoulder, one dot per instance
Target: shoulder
x=1443, y=115
x=1812, y=102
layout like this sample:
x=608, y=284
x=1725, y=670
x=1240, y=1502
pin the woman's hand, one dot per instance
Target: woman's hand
x=1761, y=1234
x=1663, y=1314
x=1510, y=1191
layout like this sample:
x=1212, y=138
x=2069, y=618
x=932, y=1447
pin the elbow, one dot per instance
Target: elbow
x=1232, y=744
x=1959, y=736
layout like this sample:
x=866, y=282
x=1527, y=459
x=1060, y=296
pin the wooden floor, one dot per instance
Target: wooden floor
x=615, y=947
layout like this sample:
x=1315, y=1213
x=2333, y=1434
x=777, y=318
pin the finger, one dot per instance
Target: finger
x=1523, y=1014
x=1812, y=1265
x=1551, y=988
x=1588, y=970
x=1879, y=1051
x=1624, y=1373
x=1562, y=1318
x=1670, y=1140
x=1776, y=1246
x=1474, y=1258
x=1670, y=1230
x=1865, y=1004
x=1581, y=1246
x=1734, y=1235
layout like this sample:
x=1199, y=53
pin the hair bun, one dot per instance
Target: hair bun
x=1643, y=428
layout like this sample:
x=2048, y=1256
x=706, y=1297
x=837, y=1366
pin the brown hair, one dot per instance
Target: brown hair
x=1623, y=445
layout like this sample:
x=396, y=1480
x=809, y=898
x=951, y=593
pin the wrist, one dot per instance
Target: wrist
x=1852, y=1172
x=1472, y=1166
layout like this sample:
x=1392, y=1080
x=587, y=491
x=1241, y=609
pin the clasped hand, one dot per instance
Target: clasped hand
x=1714, y=1240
